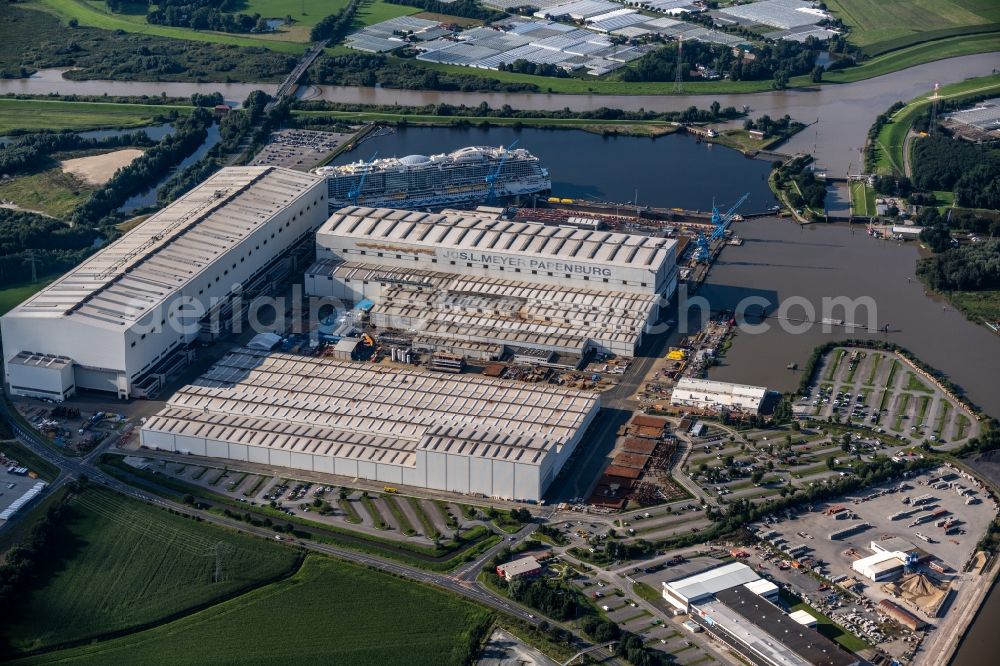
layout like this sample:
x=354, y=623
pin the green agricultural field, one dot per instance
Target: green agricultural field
x=126, y=564
x=31, y=115
x=330, y=612
x=881, y=25
x=96, y=14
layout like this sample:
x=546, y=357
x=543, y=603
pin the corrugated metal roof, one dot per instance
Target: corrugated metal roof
x=468, y=232
x=121, y=283
x=365, y=412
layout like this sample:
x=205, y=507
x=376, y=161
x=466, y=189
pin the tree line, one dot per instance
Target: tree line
x=143, y=172
x=971, y=267
x=335, y=26
x=29, y=151
x=465, y=8
x=484, y=110
x=971, y=171
x=216, y=15
x=363, y=69
x=778, y=61
x=26, y=562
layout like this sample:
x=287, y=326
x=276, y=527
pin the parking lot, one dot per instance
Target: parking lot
x=883, y=391
x=383, y=514
x=12, y=486
x=299, y=149
x=882, y=512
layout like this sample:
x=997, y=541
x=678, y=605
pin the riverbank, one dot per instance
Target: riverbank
x=892, y=141
x=639, y=128
x=38, y=114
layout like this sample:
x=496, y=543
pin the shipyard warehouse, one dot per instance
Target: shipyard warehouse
x=398, y=426
x=115, y=322
x=476, y=285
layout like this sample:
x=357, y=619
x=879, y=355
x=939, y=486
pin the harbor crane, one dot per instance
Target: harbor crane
x=355, y=192
x=491, y=177
x=720, y=222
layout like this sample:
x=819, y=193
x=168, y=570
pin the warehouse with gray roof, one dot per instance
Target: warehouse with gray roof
x=427, y=430
x=122, y=319
x=471, y=276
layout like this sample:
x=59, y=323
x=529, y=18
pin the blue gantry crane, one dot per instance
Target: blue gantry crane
x=355, y=192
x=720, y=222
x=491, y=177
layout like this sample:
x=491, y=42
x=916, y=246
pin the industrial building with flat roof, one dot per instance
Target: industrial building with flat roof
x=880, y=566
x=735, y=605
x=692, y=589
x=122, y=319
x=474, y=284
x=712, y=395
x=766, y=634
x=427, y=430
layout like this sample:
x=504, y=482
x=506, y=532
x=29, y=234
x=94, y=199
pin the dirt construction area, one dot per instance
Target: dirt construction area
x=98, y=169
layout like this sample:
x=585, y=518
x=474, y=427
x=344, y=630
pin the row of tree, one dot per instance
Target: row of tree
x=335, y=26
x=146, y=170
x=465, y=8
x=30, y=151
x=715, y=112
x=768, y=61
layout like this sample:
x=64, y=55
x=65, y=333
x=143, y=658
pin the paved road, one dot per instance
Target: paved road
x=462, y=582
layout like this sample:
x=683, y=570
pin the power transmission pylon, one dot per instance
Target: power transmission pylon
x=934, y=103
x=679, y=75
x=33, y=260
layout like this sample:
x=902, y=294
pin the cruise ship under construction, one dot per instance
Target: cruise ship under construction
x=467, y=176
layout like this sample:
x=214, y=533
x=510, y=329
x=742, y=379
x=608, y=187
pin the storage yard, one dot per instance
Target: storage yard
x=884, y=522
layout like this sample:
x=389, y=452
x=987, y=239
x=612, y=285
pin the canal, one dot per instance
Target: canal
x=669, y=171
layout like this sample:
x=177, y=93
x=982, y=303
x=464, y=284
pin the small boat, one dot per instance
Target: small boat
x=792, y=366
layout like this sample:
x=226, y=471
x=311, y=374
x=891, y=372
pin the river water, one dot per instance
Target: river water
x=845, y=111
x=148, y=197
x=670, y=171
x=780, y=261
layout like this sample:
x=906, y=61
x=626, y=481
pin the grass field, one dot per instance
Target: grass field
x=51, y=191
x=44, y=114
x=633, y=127
x=329, y=612
x=12, y=296
x=95, y=14
x=125, y=564
x=891, y=140
x=862, y=199
x=977, y=305
x=877, y=25
x=378, y=11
